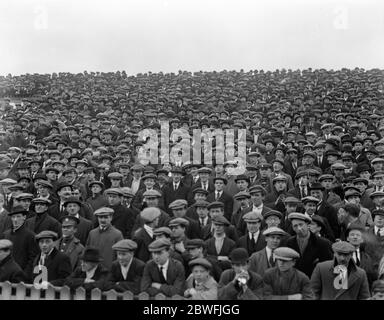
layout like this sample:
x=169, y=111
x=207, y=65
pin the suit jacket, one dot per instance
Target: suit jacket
x=250, y=245
x=117, y=282
x=123, y=220
x=25, y=248
x=171, y=195
x=58, y=265
x=322, y=283
x=226, y=249
x=227, y=290
x=143, y=239
x=104, y=240
x=83, y=229
x=174, y=283
x=278, y=286
x=43, y=222
x=317, y=250
x=258, y=262
x=74, y=249
x=97, y=202
x=11, y=271
x=226, y=199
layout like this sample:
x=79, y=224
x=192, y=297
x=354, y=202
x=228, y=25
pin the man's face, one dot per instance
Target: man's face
x=379, y=221
x=69, y=176
x=216, y=212
x=52, y=175
x=204, y=176
x=378, y=180
x=160, y=257
x=310, y=208
x=25, y=203
x=96, y=189
x=124, y=257
x=149, y=183
x=277, y=167
x=195, y=252
x=240, y=267
x=113, y=199
x=179, y=212
x=68, y=230
x=355, y=237
x=218, y=228
x=46, y=245
x=176, y=177
x=273, y=241
x=200, y=196
x=318, y=194
x=202, y=212
x=219, y=185
x=40, y=207
x=43, y=191
x=253, y=226
x=200, y=274
x=257, y=198
x=327, y=184
x=72, y=208
x=105, y=220
x=361, y=186
x=280, y=186
x=242, y=185
x=291, y=207
x=17, y=220
x=4, y=253
x=87, y=265
x=342, y=258
x=353, y=199
x=285, y=265
x=177, y=231
x=300, y=227
x=265, y=172
x=115, y=183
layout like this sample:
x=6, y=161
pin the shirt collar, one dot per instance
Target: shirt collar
x=164, y=266
x=149, y=230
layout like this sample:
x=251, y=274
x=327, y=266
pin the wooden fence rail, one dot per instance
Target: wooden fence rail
x=22, y=291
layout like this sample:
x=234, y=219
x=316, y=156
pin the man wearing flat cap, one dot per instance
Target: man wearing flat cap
x=178, y=227
x=9, y=269
x=126, y=272
x=68, y=243
x=104, y=236
x=220, y=195
x=238, y=282
x=253, y=240
x=25, y=248
x=97, y=198
x=42, y=220
x=179, y=210
x=312, y=249
x=264, y=259
x=162, y=274
x=150, y=182
x=340, y=278
x=284, y=281
x=174, y=190
x=58, y=264
x=145, y=234
x=123, y=219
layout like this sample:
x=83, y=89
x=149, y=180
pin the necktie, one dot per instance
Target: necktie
x=175, y=186
x=42, y=259
x=205, y=186
x=271, y=261
x=357, y=260
x=162, y=278
x=378, y=232
x=217, y=195
x=202, y=222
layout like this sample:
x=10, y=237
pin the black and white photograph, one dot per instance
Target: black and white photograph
x=197, y=153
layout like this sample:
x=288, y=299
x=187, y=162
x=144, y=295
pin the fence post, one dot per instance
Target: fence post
x=65, y=293
x=50, y=293
x=20, y=291
x=79, y=294
x=111, y=295
x=96, y=294
x=143, y=296
x=128, y=295
x=177, y=297
x=160, y=296
x=6, y=291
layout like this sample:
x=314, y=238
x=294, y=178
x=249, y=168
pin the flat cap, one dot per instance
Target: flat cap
x=338, y=166
x=24, y=196
x=204, y=170
x=200, y=190
x=159, y=245
x=152, y=193
x=292, y=200
x=326, y=177
x=257, y=189
x=45, y=184
x=299, y=216
x=274, y=231
x=116, y=191
x=18, y=210
x=99, y=183
x=5, y=244
x=279, y=177
x=178, y=222
x=201, y=204
x=104, y=211
x=220, y=220
x=162, y=230
x=150, y=214
x=125, y=245
x=343, y=247
x=46, y=234
x=72, y=200
x=310, y=199
x=376, y=212
x=194, y=243
x=224, y=179
x=252, y=216
x=115, y=176
x=376, y=194
x=242, y=195
x=177, y=204
x=149, y=176
x=286, y=254
x=200, y=262
x=273, y=213
x=216, y=204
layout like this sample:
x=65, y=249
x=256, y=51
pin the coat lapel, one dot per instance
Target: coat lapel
x=353, y=276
